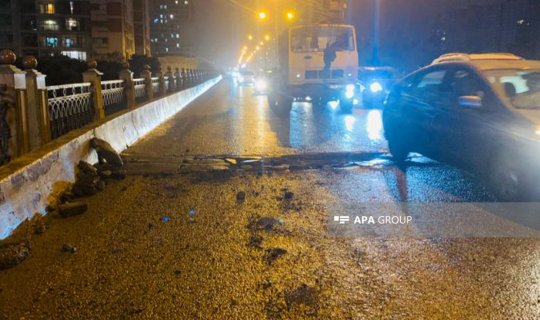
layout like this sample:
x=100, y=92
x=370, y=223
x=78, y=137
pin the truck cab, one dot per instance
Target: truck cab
x=319, y=62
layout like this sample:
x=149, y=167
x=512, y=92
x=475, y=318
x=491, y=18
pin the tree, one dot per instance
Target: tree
x=61, y=69
x=137, y=63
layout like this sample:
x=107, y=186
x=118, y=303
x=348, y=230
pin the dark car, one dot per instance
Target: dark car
x=478, y=112
x=376, y=83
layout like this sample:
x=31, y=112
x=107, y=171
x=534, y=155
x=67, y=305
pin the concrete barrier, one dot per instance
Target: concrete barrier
x=32, y=182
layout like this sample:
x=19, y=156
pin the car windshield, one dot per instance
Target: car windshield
x=521, y=87
x=318, y=39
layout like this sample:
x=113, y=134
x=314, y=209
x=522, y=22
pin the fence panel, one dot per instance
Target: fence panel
x=70, y=107
x=140, y=89
x=114, y=99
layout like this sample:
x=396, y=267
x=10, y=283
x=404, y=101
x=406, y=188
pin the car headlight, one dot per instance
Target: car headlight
x=260, y=84
x=537, y=131
x=375, y=87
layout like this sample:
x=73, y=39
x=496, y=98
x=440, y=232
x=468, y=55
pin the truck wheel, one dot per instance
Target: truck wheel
x=271, y=101
x=346, y=105
x=318, y=102
x=283, y=105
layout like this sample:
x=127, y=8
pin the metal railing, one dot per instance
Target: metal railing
x=114, y=99
x=139, y=85
x=70, y=107
x=155, y=86
x=167, y=81
x=42, y=113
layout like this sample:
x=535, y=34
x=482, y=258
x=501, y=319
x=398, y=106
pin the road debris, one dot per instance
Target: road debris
x=272, y=254
x=303, y=295
x=71, y=209
x=69, y=248
x=241, y=196
x=13, y=255
x=106, y=152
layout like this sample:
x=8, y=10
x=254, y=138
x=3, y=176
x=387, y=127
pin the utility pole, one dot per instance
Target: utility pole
x=376, y=16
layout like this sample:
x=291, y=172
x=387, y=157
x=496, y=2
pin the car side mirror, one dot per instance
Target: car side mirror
x=470, y=102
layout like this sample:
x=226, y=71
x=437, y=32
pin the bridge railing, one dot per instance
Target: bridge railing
x=32, y=114
x=70, y=107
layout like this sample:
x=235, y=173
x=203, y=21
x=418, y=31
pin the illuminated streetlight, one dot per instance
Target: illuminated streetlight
x=262, y=15
x=267, y=37
x=250, y=37
x=290, y=15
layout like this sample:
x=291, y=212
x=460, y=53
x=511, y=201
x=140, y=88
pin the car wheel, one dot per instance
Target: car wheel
x=399, y=149
x=506, y=181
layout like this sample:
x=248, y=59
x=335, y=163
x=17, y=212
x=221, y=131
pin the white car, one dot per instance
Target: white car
x=246, y=78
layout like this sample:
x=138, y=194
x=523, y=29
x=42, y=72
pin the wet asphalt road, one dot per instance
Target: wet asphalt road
x=224, y=262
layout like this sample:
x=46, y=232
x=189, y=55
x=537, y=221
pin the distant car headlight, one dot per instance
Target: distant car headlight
x=375, y=87
x=261, y=84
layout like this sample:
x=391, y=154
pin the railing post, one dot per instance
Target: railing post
x=190, y=78
x=184, y=78
x=147, y=75
x=93, y=76
x=162, y=87
x=39, y=126
x=177, y=79
x=13, y=114
x=129, y=87
x=170, y=76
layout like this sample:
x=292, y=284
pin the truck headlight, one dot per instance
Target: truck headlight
x=349, y=91
x=261, y=84
x=375, y=87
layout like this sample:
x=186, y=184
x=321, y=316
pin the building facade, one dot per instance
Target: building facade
x=141, y=24
x=168, y=19
x=113, y=33
x=80, y=29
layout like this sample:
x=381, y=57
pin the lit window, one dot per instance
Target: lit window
x=50, y=25
x=47, y=8
x=51, y=42
x=81, y=55
x=72, y=24
x=69, y=42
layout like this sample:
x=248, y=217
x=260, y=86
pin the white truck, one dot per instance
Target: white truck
x=317, y=63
